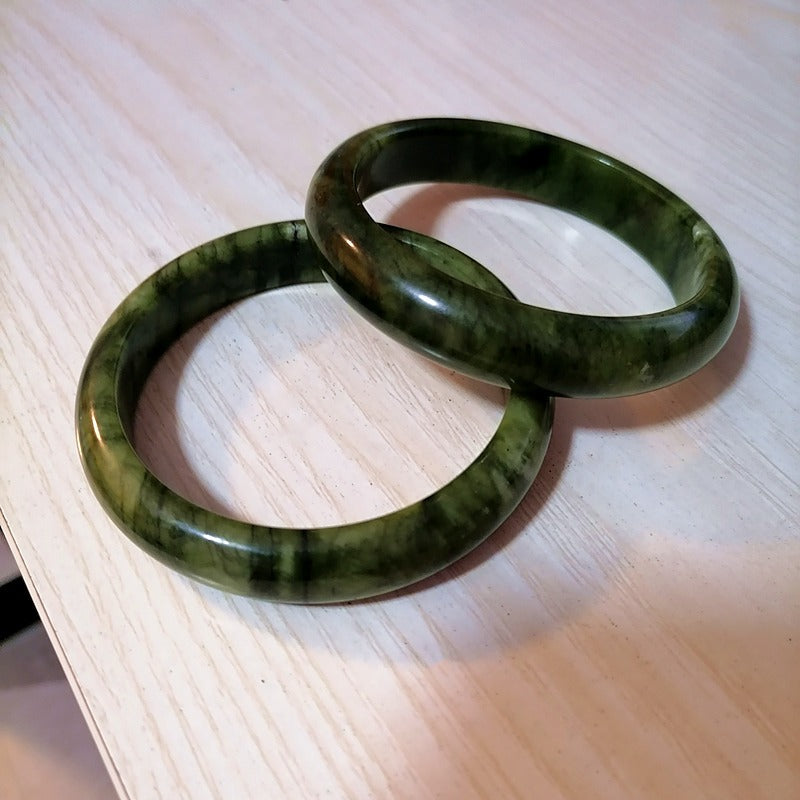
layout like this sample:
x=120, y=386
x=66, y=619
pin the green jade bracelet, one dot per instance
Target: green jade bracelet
x=495, y=337
x=331, y=564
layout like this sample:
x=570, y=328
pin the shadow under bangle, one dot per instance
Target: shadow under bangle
x=331, y=564
x=495, y=337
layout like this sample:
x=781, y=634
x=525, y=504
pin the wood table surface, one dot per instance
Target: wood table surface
x=633, y=629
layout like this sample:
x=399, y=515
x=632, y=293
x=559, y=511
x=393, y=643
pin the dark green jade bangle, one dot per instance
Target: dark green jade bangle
x=494, y=337
x=304, y=566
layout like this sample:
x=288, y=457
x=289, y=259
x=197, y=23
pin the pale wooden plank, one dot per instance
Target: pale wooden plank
x=633, y=630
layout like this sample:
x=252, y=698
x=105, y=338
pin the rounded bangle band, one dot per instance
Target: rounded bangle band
x=495, y=337
x=331, y=564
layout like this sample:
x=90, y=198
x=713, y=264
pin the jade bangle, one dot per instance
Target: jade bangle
x=303, y=566
x=495, y=337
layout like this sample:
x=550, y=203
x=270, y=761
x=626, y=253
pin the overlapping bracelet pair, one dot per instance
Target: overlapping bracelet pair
x=433, y=299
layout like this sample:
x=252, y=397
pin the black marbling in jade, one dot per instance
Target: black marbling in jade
x=491, y=335
x=302, y=566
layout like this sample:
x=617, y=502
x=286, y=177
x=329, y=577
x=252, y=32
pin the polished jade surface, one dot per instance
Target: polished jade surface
x=332, y=564
x=491, y=335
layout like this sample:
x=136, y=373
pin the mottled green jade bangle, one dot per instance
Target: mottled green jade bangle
x=495, y=337
x=304, y=566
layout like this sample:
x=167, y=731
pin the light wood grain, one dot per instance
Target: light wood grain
x=633, y=629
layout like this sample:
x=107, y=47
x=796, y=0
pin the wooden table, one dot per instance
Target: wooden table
x=633, y=630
